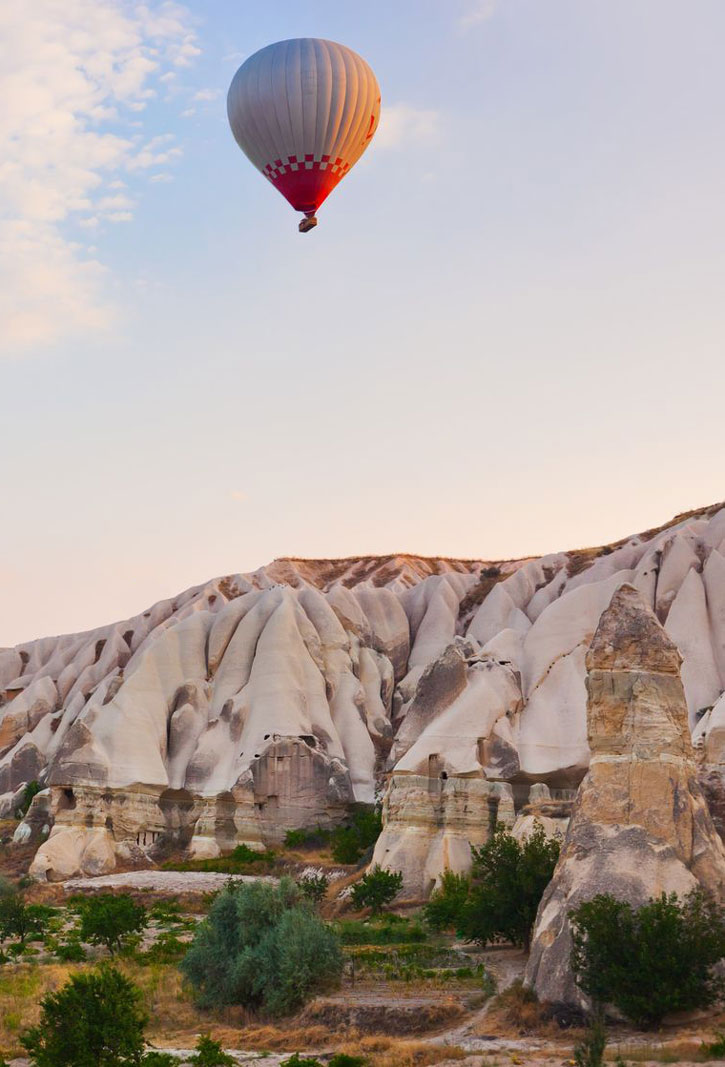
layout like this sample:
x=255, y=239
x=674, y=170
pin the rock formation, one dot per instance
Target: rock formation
x=260, y=702
x=640, y=826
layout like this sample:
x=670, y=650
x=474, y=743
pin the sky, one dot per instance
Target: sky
x=504, y=338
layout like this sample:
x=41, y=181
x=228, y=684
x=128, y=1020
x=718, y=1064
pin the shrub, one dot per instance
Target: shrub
x=166, y=949
x=376, y=889
x=351, y=842
x=31, y=790
x=444, y=909
x=111, y=920
x=210, y=1054
x=159, y=1059
x=314, y=887
x=307, y=838
x=716, y=1049
x=508, y=880
x=70, y=952
x=590, y=1050
x=652, y=960
x=167, y=911
x=95, y=1020
x=21, y=920
x=262, y=946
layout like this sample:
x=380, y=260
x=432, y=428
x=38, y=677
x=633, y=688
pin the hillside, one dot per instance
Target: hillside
x=262, y=701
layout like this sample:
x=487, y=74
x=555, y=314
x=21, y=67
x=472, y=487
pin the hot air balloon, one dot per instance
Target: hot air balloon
x=304, y=111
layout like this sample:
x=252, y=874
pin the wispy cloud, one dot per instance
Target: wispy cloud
x=402, y=125
x=207, y=94
x=478, y=11
x=71, y=76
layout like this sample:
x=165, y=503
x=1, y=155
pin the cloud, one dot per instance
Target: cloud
x=239, y=497
x=207, y=94
x=479, y=11
x=71, y=75
x=402, y=125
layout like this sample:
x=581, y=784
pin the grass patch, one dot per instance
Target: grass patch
x=243, y=860
x=390, y=930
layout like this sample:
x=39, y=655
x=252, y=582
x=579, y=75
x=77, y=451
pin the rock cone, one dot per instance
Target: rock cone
x=640, y=825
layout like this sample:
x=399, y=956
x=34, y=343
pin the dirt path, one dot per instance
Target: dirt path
x=506, y=965
x=164, y=881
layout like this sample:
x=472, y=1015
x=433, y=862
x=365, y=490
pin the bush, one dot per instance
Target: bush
x=649, y=961
x=31, y=790
x=70, y=952
x=262, y=946
x=95, y=1020
x=166, y=949
x=21, y=920
x=210, y=1054
x=314, y=887
x=716, y=1049
x=444, y=909
x=159, y=1059
x=111, y=920
x=351, y=842
x=316, y=838
x=376, y=889
x=508, y=880
x=590, y=1050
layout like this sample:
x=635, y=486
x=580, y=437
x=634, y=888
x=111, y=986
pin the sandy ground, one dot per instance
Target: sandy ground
x=163, y=881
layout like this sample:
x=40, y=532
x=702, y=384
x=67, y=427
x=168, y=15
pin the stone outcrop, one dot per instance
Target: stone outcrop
x=640, y=825
x=365, y=672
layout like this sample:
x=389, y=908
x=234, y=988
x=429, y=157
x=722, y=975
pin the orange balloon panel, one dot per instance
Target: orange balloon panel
x=304, y=111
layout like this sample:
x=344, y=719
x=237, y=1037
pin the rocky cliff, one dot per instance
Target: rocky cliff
x=640, y=826
x=261, y=702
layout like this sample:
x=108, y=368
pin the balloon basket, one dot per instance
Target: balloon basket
x=307, y=224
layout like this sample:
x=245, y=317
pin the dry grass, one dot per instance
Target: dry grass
x=393, y=1052
x=517, y=1012
x=172, y=1014
x=685, y=1051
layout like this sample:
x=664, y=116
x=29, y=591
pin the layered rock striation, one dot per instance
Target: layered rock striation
x=640, y=826
x=261, y=702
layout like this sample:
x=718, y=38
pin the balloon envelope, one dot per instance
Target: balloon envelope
x=304, y=111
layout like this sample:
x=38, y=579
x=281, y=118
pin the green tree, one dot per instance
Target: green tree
x=111, y=920
x=21, y=920
x=352, y=841
x=649, y=961
x=508, y=881
x=376, y=889
x=210, y=1054
x=262, y=946
x=444, y=909
x=95, y=1020
x=314, y=887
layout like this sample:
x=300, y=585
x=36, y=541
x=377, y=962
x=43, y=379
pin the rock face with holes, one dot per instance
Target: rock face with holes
x=261, y=702
x=640, y=825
